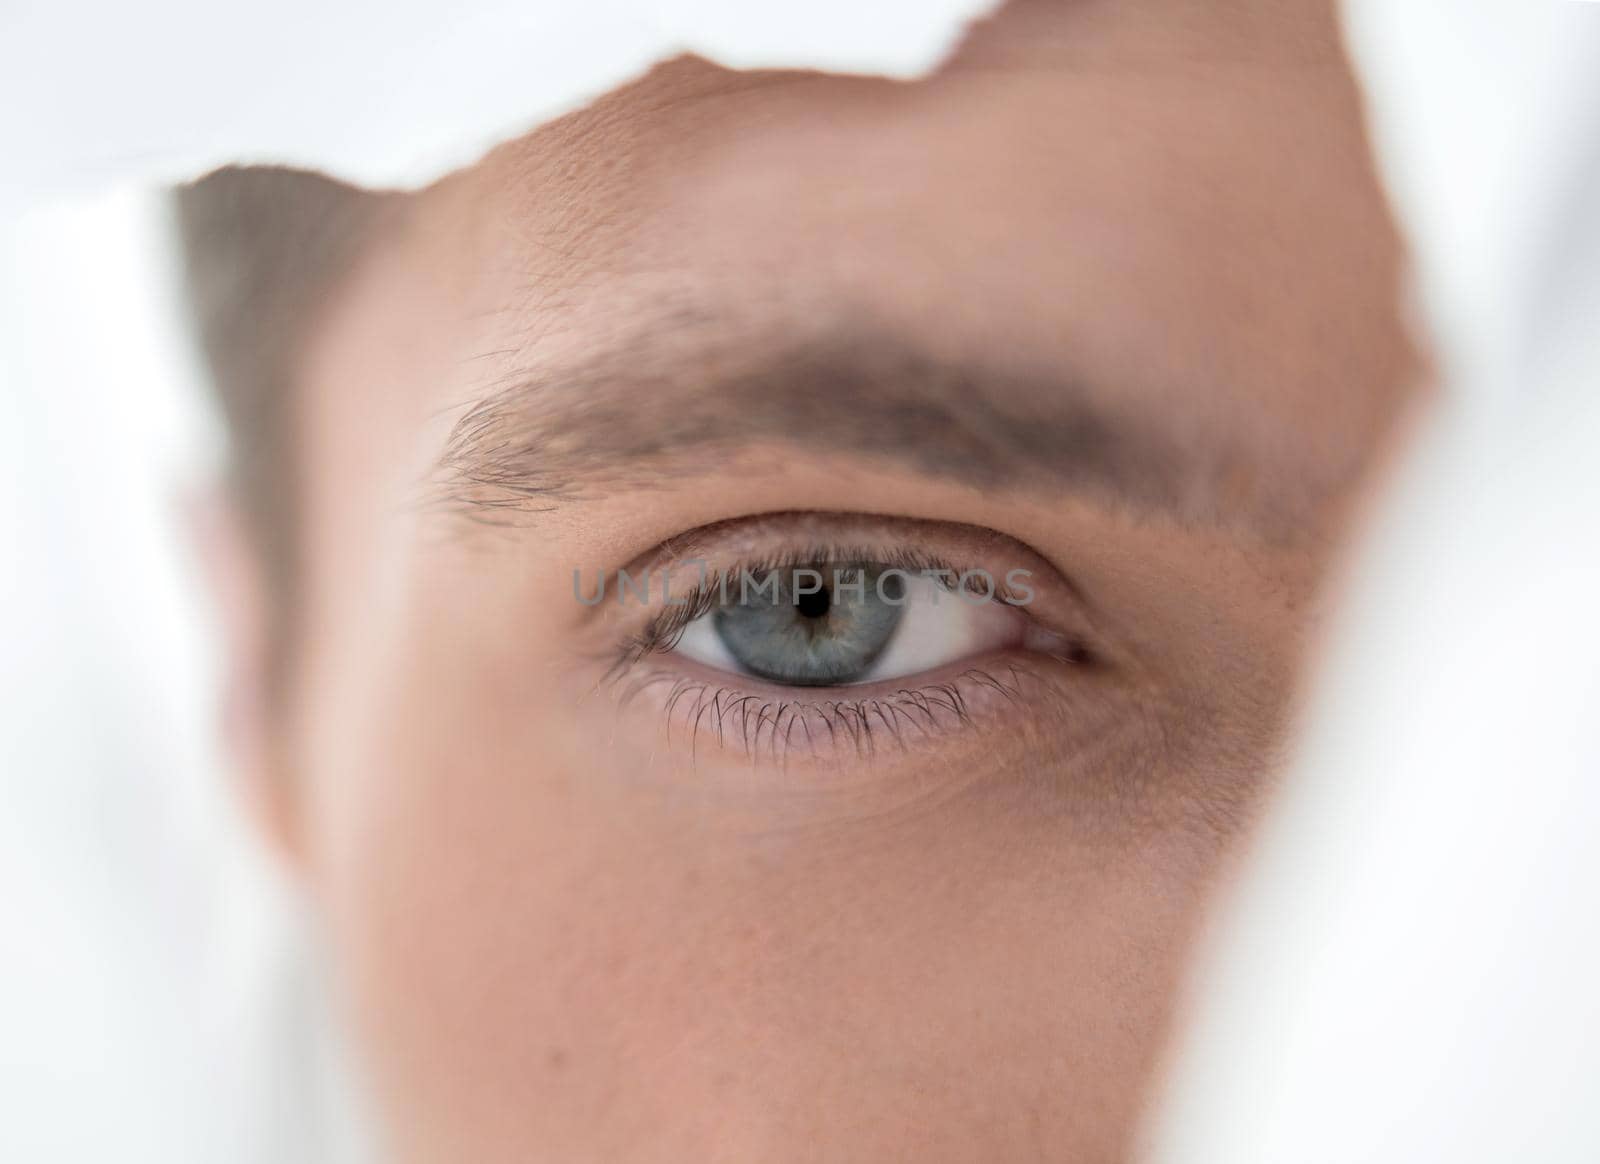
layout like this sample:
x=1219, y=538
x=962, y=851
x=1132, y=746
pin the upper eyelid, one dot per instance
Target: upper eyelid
x=663, y=629
x=802, y=536
x=889, y=541
x=820, y=530
x=671, y=621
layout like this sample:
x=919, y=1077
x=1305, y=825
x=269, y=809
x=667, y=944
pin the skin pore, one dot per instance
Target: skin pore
x=1113, y=298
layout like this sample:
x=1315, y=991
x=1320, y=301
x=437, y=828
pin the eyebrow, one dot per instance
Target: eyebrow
x=642, y=413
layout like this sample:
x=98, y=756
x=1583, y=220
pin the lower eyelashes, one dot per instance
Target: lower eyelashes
x=701, y=713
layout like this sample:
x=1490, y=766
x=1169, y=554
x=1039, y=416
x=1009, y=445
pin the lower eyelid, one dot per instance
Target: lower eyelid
x=704, y=713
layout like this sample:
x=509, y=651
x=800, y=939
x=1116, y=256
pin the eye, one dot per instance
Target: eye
x=837, y=624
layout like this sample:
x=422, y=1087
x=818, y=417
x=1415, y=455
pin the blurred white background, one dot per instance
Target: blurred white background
x=1408, y=973
x=150, y=964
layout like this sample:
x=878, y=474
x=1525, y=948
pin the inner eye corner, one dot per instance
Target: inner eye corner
x=1080, y=654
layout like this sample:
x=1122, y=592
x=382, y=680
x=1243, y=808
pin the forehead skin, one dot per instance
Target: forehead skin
x=560, y=942
x=1199, y=219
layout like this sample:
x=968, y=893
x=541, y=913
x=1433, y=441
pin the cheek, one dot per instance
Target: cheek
x=548, y=951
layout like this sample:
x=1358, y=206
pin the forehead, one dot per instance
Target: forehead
x=1191, y=234
x=964, y=198
x=1206, y=227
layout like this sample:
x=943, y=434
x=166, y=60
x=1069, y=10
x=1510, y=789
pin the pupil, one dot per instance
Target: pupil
x=813, y=605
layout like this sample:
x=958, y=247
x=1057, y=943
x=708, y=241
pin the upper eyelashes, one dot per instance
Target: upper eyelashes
x=810, y=598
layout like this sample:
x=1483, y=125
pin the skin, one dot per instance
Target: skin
x=563, y=932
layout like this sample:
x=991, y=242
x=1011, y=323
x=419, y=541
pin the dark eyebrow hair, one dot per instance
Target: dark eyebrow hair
x=637, y=414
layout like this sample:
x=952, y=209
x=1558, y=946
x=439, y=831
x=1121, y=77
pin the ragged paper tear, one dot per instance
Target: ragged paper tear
x=389, y=95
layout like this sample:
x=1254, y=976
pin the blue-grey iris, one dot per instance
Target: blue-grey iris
x=812, y=627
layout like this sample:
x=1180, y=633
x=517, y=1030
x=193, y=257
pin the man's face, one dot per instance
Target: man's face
x=888, y=873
